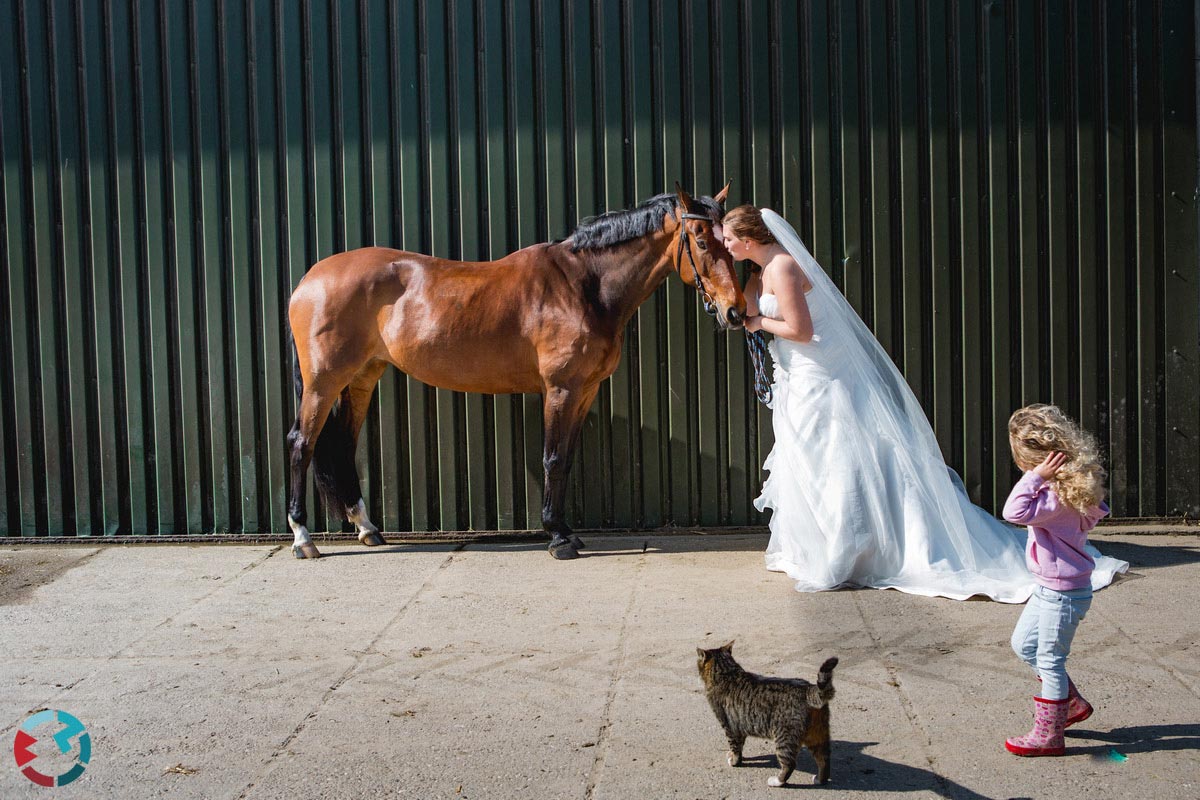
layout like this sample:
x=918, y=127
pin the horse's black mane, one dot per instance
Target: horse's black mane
x=614, y=227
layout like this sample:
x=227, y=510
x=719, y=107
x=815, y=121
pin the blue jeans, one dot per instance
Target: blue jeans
x=1044, y=632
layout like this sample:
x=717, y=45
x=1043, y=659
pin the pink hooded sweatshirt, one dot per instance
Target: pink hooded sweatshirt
x=1055, y=550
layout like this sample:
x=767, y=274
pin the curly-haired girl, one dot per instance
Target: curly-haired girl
x=1060, y=498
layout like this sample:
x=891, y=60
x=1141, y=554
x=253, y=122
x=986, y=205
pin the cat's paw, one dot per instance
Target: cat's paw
x=734, y=759
x=774, y=782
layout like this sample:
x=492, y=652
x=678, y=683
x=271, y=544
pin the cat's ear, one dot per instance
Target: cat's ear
x=700, y=651
x=728, y=647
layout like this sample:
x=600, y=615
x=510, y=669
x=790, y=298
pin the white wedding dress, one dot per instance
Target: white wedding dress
x=857, y=485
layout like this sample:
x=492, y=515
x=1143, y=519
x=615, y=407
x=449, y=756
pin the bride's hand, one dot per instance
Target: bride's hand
x=753, y=323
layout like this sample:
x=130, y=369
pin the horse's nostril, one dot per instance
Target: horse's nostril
x=734, y=317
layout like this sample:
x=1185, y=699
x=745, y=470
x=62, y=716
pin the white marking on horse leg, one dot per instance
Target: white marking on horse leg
x=358, y=517
x=302, y=544
x=368, y=534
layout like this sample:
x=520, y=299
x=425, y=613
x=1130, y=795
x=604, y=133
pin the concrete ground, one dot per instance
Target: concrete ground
x=492, y=671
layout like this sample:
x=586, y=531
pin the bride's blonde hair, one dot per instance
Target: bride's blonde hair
x=1038, y=430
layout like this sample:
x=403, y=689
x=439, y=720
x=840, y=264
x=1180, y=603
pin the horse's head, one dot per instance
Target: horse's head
x=702, y=260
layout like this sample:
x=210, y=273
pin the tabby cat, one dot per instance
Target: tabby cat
x=791, y=711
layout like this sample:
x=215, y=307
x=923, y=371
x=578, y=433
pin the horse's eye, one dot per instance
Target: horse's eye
x=701, y=244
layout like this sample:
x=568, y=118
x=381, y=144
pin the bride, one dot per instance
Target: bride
x=859, y=491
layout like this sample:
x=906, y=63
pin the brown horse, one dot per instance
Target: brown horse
x=548, y=319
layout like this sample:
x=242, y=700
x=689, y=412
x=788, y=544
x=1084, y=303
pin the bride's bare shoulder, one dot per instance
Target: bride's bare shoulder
x=785, y=268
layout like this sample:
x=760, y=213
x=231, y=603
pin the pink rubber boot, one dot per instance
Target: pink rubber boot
x=1046, y=738
x=1078, y=709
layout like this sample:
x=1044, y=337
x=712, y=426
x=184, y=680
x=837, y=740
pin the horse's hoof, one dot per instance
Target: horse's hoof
x=575, y=540
x=372, y=538
x=564, y=552
x=305, y=551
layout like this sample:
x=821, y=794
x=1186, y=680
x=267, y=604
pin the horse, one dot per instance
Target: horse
x=548, y=319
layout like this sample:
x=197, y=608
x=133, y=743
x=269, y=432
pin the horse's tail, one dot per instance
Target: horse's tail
x=334, y=470
x=822, y=693
x=297, y=378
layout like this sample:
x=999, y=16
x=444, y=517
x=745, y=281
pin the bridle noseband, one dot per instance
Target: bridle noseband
x=686, y=243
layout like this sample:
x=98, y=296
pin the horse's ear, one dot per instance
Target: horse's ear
x=721, y=195
x=685, y=199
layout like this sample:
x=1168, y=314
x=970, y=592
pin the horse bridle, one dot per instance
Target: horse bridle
x=685, y=241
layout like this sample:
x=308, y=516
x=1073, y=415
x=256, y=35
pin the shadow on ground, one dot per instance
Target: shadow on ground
x=1156, y=555
x=1139, y=739
x=1139, y=556
x=854, y=769
x=390, y=549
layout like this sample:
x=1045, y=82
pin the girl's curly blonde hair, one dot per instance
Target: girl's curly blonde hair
x=1038, y=430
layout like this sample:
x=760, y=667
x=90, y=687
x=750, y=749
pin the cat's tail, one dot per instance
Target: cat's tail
x=823, y=692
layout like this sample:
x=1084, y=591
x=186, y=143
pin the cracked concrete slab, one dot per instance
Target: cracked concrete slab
x=490, y=670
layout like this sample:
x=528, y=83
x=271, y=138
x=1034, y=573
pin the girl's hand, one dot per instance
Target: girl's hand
x=1050, y=465
x=753, y=323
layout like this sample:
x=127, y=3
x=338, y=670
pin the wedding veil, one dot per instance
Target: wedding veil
x=891, y=407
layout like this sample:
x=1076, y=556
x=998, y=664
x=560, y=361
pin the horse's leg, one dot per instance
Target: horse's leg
x=360, y=390
x=315, y=404
x=564, y=412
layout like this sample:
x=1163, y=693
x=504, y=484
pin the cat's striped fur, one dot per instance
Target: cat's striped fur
x=791, y=711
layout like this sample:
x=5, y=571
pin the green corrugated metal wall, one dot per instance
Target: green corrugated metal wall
x=1006, y=190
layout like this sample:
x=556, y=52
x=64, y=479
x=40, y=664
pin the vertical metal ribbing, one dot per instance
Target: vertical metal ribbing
x=1071, y=238
x=895, y=245
x=1099, y=175
x=864, y=75
x=285, y=399
x=337, y=150
x=983, y=117
x=35, y=441
x=115, y=306
x=1126, y=307
x=1007, y=306
x=224, y=297
x=1036, y=301
x=307, y=89
x=171, y=263
x=833, y=35
x=10, y=474
x=1013, y=230
x=200, y=252
x=953, y=312
x=144, y=422
x=372, y=482
x=1156, y=392
x=56, y=359
x=923, y=217
x=260, y=482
